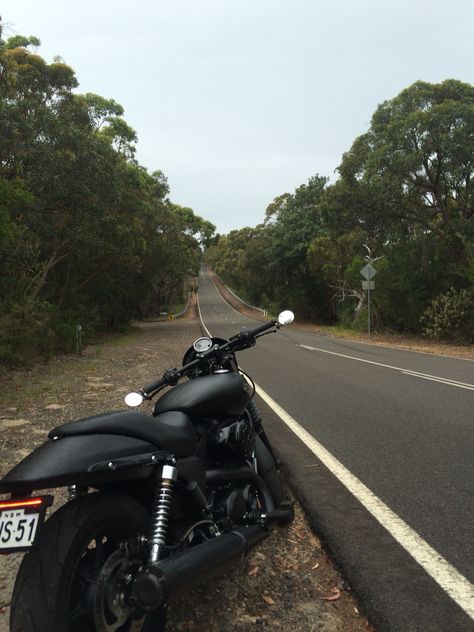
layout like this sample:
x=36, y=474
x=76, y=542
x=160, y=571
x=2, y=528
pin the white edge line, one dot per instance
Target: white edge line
x=228, y=304
x=451, y=581
x=201, y=319
x=445, y=575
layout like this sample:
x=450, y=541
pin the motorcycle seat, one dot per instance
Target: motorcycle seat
x=172, y=431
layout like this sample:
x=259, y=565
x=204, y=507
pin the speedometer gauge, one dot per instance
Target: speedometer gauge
x=202, y=344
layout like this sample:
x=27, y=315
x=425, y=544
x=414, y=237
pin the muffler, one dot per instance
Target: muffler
x=160, y=583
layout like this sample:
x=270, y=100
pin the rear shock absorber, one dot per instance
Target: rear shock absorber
x=161, y=511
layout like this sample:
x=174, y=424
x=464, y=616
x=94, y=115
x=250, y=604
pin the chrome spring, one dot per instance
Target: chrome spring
x=161, y=511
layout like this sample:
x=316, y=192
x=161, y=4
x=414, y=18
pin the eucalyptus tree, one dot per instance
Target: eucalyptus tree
x=268, y=264
x=408, y=183
x=86, y=233
x=412, y=171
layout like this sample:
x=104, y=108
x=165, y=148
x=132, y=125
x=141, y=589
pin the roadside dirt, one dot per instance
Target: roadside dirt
x=287, y=583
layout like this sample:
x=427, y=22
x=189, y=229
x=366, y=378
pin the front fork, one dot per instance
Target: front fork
x=260, y=430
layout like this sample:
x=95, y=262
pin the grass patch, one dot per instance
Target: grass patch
x=117, y=339
x=20, y=386
x=50, y=377
x=339, y=330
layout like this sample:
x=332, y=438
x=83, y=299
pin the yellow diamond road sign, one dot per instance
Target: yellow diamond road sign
x=368, y=271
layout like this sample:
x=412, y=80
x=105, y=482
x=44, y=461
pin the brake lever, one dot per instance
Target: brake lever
x=270, y=331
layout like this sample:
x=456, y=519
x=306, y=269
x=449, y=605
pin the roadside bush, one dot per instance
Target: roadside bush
x=359, y=321
x=37, y=328
x=63, y=323
x=24, y=332
x=450, y=316
x=346, y=316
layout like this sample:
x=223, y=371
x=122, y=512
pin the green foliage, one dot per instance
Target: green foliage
x=87, y=235
x=20, y=41
x=358, y=321
x=450, y=316
x=24, y=332
x=411, y=172
x=268, y=264
x=406, y=191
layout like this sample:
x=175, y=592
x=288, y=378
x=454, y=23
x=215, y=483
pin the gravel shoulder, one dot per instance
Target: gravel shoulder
x=286, y=583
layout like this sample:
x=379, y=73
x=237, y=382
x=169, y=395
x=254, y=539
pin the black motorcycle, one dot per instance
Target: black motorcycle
x=157, y=504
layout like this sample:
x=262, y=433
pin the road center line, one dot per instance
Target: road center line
x=425, y=376
x=444, y=574
x=441, y=380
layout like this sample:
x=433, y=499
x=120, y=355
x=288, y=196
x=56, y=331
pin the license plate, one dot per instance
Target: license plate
x=20, y=521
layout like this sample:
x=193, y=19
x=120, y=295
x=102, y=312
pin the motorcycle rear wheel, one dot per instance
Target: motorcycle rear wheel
x=56, y=586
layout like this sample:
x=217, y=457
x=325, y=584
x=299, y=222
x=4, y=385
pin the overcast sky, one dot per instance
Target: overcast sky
x=240, y=101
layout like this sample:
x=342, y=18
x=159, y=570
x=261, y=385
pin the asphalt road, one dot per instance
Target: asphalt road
x=398, y=429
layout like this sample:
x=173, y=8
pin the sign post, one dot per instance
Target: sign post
x=78, y=337
x=368, y=272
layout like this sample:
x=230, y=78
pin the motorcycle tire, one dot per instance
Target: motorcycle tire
x=56, y=586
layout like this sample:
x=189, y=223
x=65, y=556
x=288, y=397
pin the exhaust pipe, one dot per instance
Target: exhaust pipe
x=220, y=477
x=161, y=582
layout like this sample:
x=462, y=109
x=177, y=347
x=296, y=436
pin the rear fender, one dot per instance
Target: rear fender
x=66, y=461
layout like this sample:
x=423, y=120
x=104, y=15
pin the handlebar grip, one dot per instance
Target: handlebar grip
x=246, y=338
x=154, y=386
x=262, y=328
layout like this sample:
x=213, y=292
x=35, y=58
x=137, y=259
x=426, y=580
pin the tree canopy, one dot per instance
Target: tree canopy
x=406, y=191
x=87, y=234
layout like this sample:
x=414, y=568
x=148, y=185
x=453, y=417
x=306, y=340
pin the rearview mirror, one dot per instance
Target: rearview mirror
x=133, y=399
x=286, y=317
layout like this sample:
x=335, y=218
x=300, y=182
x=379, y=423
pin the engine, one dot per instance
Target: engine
x=234, y=438
x=235, y=503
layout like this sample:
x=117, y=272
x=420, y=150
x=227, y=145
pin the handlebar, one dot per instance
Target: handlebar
x=242, y=340
x=150, y=389
x=170, y=377
x=262, y=329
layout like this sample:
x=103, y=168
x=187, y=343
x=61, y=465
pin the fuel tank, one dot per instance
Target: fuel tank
x=207, y=396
